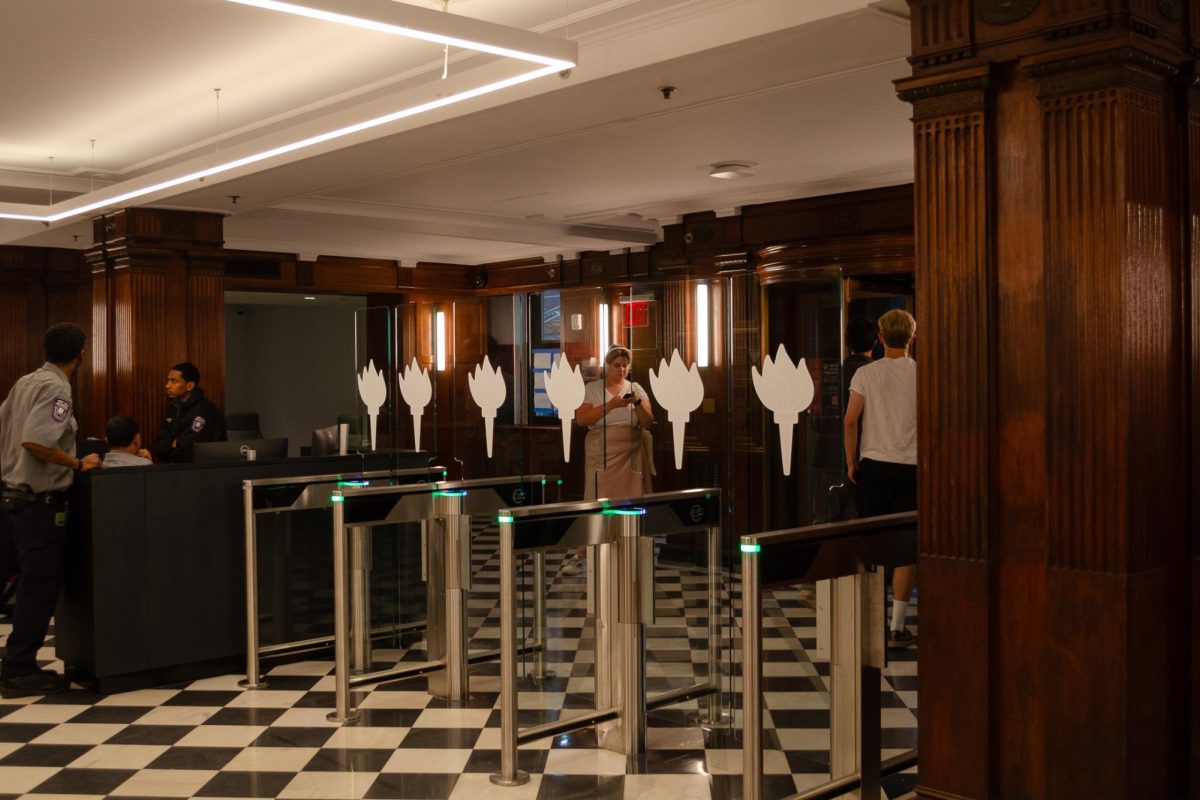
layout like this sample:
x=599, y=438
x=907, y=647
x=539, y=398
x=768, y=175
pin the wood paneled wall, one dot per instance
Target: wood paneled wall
x=1057, y=386
x=39, y=287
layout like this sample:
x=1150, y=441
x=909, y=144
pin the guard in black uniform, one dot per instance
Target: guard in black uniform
x=191, y=417
x=38, y=465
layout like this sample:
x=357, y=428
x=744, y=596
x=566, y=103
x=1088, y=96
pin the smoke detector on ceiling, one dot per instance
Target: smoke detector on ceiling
x=730, y=170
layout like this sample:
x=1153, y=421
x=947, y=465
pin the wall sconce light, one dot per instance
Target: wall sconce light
x=603, y=322
x=702, y=324
x=439, y=340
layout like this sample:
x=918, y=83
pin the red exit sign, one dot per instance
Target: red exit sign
x=637, y=314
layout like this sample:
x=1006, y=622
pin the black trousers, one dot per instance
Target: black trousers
x=39, y=536
x=885, y=488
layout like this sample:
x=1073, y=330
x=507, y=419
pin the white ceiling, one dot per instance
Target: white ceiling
x=599, y=160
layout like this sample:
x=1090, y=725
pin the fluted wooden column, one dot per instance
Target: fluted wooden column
x=158, y=300
x=1056, y=322
x=1192, y=255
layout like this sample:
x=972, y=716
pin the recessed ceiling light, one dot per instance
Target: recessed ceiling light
x=729, y=170
x=546, y=53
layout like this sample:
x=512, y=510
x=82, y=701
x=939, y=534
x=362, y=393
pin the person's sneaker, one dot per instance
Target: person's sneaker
x=41, y=682
x=573, y=565
x=900, y=640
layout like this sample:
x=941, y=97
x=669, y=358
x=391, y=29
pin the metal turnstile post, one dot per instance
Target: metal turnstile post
x=253, y=679
x=509, y=775
x=752, y=746
x=631, y=635
x=620, y=657
x=341, y=617
x=713, y=715
x=448, y=578
x=855, y=666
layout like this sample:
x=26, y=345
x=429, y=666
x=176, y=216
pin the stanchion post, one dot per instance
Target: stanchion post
x=752, y=753
x=509, y=775
x=253, y=679
x=341, y=616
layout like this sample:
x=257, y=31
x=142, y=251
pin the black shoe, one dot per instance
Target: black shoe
x=40, y=682
x=900, y=640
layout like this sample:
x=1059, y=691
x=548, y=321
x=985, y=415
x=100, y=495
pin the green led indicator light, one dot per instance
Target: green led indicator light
x=751, y=548
x=451, y=493
x=543, y=481
x=336, y=498
x=354, y=483
x=504, y=518
x=624, y=512
x=560, y=481
x=445, y=472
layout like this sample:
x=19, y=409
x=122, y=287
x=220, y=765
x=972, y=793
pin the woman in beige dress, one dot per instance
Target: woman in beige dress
x=615, y=411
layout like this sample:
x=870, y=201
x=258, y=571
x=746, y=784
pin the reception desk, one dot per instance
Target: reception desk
x=154, y=583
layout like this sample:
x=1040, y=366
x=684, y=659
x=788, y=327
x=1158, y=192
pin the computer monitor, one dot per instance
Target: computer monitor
x=236, y=450
x=325, y=441
x=85, y=447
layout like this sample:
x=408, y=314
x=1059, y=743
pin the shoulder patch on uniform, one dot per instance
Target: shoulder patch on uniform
x=62, y=409
x=197, y=424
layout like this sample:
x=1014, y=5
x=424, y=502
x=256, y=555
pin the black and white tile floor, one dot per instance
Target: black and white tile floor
x=208, y=738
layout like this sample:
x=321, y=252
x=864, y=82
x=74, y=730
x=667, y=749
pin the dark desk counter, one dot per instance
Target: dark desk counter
x=155, y=574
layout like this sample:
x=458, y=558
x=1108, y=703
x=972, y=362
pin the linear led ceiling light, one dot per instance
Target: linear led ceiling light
x=548, y=55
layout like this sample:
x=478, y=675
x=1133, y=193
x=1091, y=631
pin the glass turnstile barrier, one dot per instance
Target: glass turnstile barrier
x=852, y=555
x=288, y=583
x=621, y=584
x=444, y=513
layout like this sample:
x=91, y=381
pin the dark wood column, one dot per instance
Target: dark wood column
x=159, y=300
x=1057, y=363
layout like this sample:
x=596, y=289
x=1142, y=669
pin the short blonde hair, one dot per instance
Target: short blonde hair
x=897, y=328
x=618, y=351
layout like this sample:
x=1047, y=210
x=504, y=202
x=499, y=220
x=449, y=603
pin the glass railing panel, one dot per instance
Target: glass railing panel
x=295, y=582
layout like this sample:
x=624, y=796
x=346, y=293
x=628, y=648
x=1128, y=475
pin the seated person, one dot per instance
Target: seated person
x=191, y=417
x=124, y=444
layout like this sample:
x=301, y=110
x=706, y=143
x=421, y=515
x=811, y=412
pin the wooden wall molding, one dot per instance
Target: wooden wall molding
x=949, y=32
x=885, y=253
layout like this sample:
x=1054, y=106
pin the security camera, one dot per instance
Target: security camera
x=666, y=91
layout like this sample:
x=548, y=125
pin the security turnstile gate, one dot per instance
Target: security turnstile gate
x=852, y=554
x=289, y=496
x=445, y=510
x=620, y=533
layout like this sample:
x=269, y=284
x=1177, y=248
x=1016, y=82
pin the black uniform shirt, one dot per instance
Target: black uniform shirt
x=188, y=421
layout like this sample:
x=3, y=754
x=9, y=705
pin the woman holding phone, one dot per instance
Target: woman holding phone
x=615, y=410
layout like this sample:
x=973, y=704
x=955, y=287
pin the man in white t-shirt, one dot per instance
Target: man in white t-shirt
x=883, y=395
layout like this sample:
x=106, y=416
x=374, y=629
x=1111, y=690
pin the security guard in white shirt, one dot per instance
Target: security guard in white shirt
x=37, y=466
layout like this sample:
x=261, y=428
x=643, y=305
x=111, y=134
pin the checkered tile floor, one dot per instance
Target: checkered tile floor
x=208, y=738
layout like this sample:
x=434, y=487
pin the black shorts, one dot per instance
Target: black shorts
x=885, y=487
